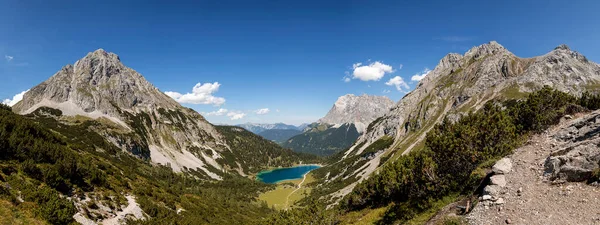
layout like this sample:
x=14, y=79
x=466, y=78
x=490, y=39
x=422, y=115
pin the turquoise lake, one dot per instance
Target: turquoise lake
x=290, y=173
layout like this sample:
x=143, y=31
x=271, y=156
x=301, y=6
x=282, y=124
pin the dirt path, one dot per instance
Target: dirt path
x=539, y=201
x=287, y=199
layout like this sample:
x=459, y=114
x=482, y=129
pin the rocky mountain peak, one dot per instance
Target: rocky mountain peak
x=99, y=63
x=97, y=82
x=450, y=61
x=359, y=110
x=99, y=86
x=562, y=47
x=483, y=50
x=563, y=52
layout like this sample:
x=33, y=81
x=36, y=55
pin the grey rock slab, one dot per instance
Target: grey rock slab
x=503, y=166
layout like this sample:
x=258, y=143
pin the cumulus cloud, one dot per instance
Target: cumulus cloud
x=201, y=94
x=374, y=71
x=262, y=111
x=398, y=82
x=15, y=99
x=421, y=75
x=236, y=115
x=219, y=112
x=8, y=58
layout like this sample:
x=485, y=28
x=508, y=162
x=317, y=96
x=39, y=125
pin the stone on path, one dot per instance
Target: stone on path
x=503, y=166
x=499, y=180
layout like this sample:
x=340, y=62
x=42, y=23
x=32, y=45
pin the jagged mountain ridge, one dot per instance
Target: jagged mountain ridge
x=459, y=83
x=143, y=120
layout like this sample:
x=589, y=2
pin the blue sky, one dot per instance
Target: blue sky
x=288, y=56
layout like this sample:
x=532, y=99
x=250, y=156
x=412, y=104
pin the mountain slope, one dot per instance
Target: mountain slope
x=323, y=139
x=459, y=83
x=59, y=176
x=141, y=119
x=342, y=125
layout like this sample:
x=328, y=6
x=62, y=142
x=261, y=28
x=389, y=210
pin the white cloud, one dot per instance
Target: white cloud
x=236, y=115
x=386, y=91
x=421, y=75
x=277, y=110
x=398, y=82
x=201, y=94
x=15, y=99
x=219, y=112
x=8, y=58
x=347, y=77
x=400, y=66
x=374, y=71
x=233, y=115
x=262, y=111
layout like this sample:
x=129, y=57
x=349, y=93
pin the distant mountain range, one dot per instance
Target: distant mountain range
x=279, y=135
x=257, y=128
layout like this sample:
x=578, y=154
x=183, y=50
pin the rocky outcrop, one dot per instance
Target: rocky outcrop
x=579, y=155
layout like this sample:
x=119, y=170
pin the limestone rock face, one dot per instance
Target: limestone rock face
x=358, y=110
x=97, y=82
x=579, y=155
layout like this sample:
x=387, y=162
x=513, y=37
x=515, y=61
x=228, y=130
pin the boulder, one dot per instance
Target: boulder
x=503, y=166
x=574, y=163
x=499, y=180
x=492, y=190
x=487, y=197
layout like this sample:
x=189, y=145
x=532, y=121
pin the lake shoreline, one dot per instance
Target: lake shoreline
x=263, y=176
